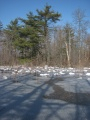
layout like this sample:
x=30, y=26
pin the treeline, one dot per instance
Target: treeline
x=37, y=41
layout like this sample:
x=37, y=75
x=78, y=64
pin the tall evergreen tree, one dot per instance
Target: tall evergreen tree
x=28, y=36
x=12, y=31
x=47, y=17
x=31, y=32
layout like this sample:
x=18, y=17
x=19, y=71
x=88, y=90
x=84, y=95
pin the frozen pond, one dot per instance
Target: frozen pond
x=76, y=84
x=24, y=99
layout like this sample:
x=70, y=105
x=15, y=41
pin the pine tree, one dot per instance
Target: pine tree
x=28, y=36
x=46, y=18
x=31, y=32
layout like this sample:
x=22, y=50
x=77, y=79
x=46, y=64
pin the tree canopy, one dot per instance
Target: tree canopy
x=27, y=34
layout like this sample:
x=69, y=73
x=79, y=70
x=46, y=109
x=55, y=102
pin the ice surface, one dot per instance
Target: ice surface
x=23, y=100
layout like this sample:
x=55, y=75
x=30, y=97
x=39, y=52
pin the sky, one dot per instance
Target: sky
x=11, y=9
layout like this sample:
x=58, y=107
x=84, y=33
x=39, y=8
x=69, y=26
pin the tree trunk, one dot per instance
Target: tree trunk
x=67, y=53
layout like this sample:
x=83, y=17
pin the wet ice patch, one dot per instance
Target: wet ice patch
x=88, y=74
x=71, y=73
x=4, y=77
x=88, y=79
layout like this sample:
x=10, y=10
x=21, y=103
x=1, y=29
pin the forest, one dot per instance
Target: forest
x=38, y=40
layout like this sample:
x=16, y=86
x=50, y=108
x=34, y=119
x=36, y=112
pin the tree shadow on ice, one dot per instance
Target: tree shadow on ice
x=29, y=104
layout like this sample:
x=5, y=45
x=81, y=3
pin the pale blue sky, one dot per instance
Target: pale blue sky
x=11, y=9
